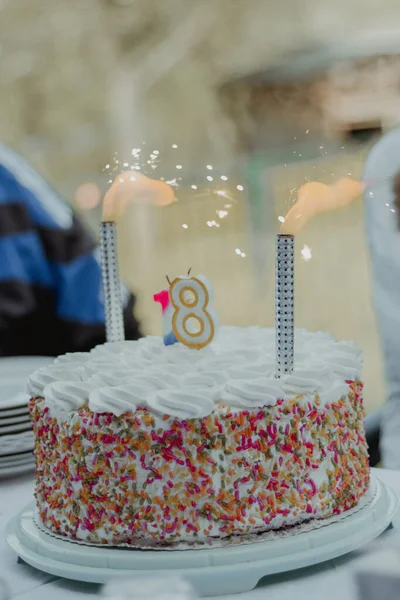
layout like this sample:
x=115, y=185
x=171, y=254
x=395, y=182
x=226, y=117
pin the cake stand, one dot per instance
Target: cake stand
x=212, y=571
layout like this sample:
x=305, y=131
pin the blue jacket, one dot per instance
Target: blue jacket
x=50, y=277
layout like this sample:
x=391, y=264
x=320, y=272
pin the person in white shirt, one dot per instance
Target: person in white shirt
x=382, y=210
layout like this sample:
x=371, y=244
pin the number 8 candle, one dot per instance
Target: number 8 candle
x=189, y=315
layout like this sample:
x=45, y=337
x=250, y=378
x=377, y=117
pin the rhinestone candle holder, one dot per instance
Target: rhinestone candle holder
x=284, y=305
x=111, y=283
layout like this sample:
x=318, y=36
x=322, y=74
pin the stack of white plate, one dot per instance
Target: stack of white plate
x=16, y=435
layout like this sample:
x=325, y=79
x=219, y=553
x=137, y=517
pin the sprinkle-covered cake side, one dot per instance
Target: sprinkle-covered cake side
x=109, y=475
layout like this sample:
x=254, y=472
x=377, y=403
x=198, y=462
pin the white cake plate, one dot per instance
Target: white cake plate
x=212, y=571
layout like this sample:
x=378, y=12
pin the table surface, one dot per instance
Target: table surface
x=328, y=581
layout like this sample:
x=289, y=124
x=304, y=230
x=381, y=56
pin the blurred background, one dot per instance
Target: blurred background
x=237, y=103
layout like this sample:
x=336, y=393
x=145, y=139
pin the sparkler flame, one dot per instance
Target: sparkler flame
x=314, y=198
x=134, y=189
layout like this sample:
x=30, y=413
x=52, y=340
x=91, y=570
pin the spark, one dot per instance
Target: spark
x=224, y=178
x=238, y=251
x=240, y=188
x=222, y=213
x=224, y=194
x=110, y=181
x=185, y=226
x=137, y=168
x=281, y=219
x=136, y=151
x=306, y=253
x=227, y=205
x=210, y=178
x=172, y=182
x=174, y=145
x=307, y=130
x=126, y=164
x=243, y=255
x=194, y=187
x=179, y=166
x=213, y=224
x=132, y=178
x=121, y=180
x=392, y=210
x=156, y=152
x=107, y=166
x=209, y=167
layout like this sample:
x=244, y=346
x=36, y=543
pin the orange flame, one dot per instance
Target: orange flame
x=133, y=187
x=314, y=198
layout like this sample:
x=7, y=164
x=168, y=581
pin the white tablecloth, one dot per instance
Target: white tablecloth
x=328, y=581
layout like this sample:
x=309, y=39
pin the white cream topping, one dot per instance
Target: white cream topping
x=186, y=403
x=116, y=348
x=111, y=378
x=72, y=358
x=118, y=400
x=334, y=394
x=56, y=372
x=238, y=369
x=66, y=396
x=100, y=365
x=248, y=394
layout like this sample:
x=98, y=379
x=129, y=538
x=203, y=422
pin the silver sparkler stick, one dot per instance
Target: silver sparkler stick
x=284, y=305
x=111, y=283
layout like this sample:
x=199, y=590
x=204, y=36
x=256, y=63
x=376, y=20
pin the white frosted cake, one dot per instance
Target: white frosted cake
x=141, y=443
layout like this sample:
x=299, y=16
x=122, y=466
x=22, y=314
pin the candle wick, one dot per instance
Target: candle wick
x=189, y=270
x=168, y=279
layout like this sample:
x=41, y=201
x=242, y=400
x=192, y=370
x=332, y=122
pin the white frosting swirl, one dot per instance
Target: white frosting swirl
x=237, y=370
x=113, y=348
x=100, y=365
x=72, y=358
x=186, y=403
x=334, y=394
x=41, y=378
x=119, y=400
x=209, y=379
x=252, y=371
x=244, y=394
x=306, y=380
x=113, y=378
x=65, y=396
x=344, y=366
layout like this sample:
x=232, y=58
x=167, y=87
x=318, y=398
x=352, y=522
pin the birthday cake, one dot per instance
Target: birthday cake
x=141, y=443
